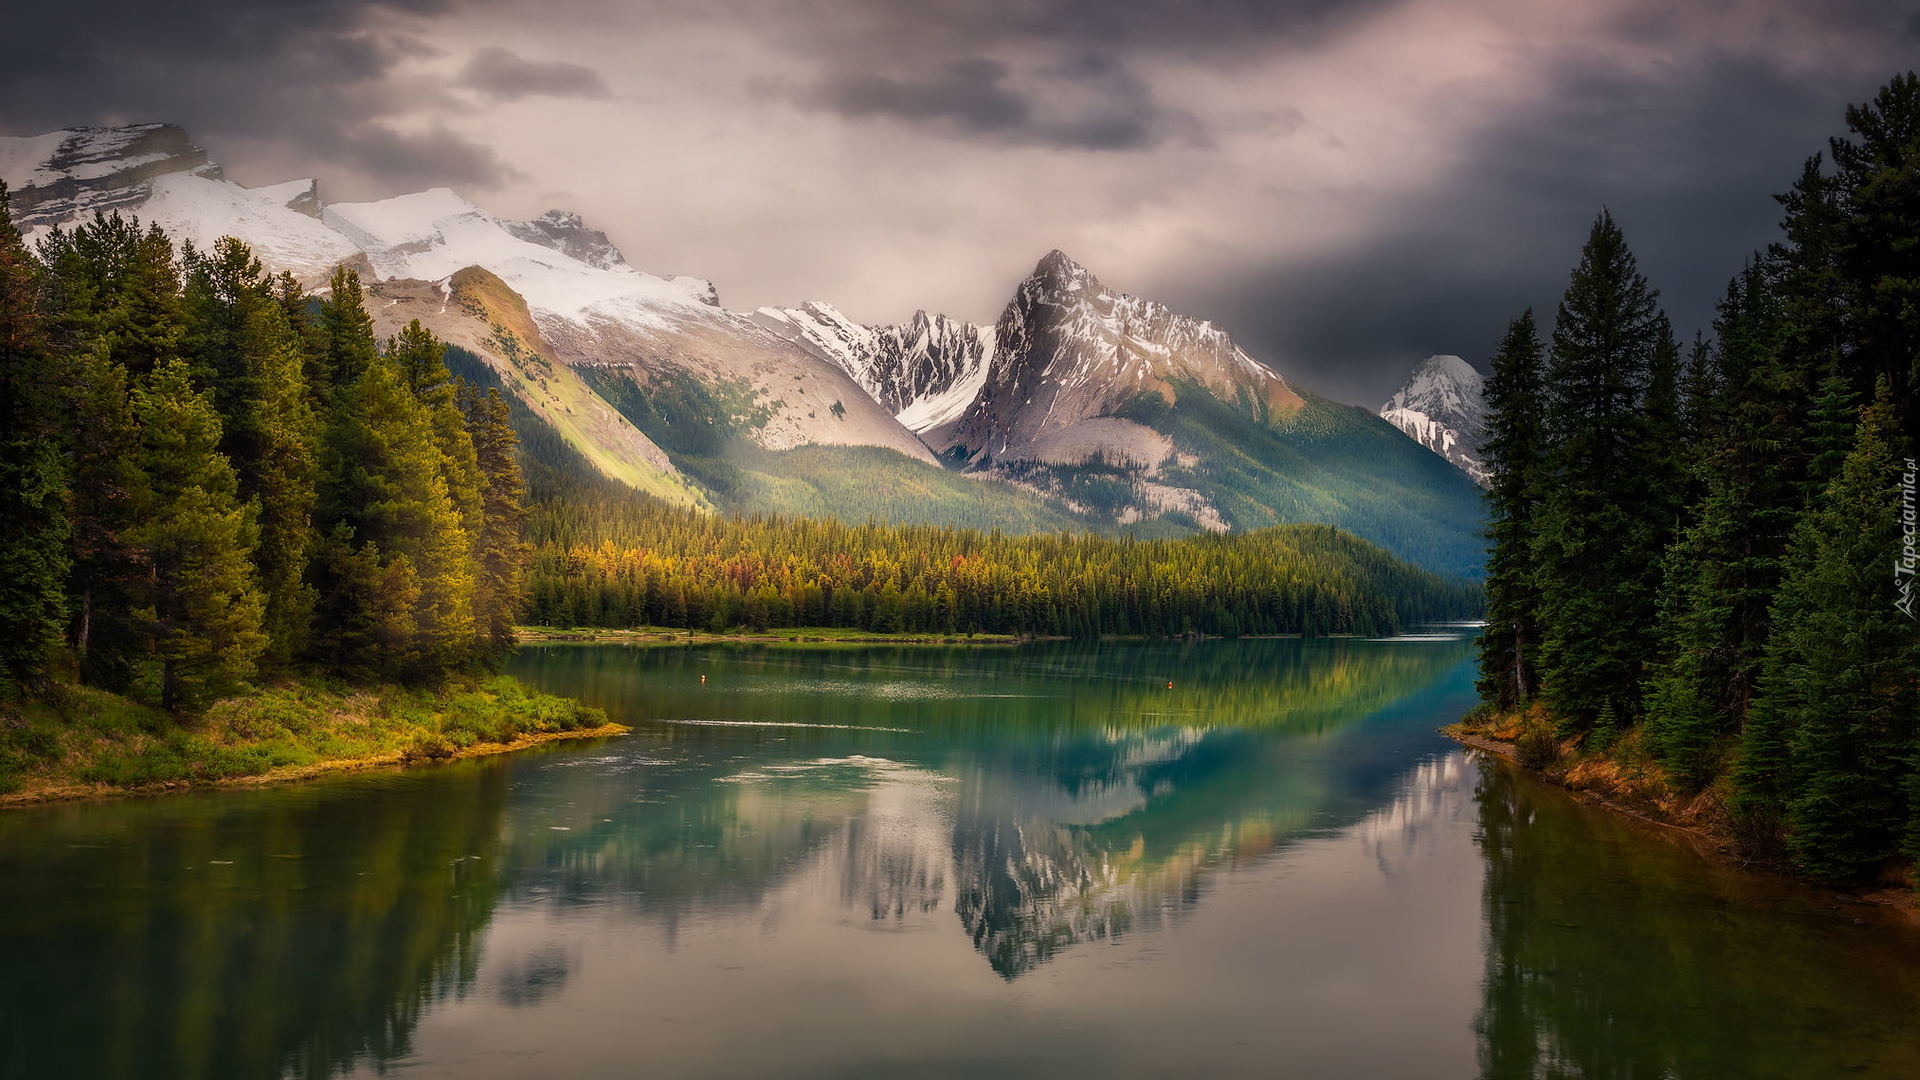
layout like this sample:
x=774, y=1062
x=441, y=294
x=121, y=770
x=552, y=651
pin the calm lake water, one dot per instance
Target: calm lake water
x=881, y=862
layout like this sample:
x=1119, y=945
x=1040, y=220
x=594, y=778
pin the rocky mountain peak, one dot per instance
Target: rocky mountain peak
x=566, y=232
x=69, y=174
x=1441, y=407
x=1056, y=276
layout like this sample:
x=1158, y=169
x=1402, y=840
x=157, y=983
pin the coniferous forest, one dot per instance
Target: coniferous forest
x=213, y=477
x=1700, y=554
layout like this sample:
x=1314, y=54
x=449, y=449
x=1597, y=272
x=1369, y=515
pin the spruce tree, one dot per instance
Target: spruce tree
x=384, y=495
x=242, y=345
x=501, y=550
x=1724, y=571
x=1877, y=247
x=204, y=610
x=421, y=358
x=1514, y=452
x=1598, y=541
x=33, y=516
x=346, y=332
x=1841, y=693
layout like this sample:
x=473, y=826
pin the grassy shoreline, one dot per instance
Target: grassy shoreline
x=1625, y=779
x=81, y=743
x=801, y=635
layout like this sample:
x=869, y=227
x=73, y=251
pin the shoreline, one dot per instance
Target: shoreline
x=657, y=635
x=48, y=793
x=1706, y=834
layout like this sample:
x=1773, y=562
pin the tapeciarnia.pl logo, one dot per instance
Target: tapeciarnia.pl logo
x=1904, y=566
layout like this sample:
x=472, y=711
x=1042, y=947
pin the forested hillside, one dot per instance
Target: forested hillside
x=607, y=557
x=1701, y=565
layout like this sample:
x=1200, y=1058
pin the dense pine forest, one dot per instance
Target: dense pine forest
x=211, y=477
x=1701, y=557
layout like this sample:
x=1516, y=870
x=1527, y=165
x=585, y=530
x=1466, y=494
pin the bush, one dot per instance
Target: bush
x=1536, y=748
x=427, y=747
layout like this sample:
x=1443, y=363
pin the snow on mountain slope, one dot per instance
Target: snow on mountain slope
x=1442, y=409
x=590, y=305
x=926, y=372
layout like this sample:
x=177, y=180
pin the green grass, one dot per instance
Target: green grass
x=79, y=735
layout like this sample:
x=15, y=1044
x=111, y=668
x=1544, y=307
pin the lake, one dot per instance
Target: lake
x=1221, y=858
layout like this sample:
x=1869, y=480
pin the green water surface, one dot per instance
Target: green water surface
x=904, y=862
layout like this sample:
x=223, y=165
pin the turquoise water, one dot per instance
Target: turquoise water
x=866, y=861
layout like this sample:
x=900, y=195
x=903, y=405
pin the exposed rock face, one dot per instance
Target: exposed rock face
x=1442, y=409
x=1069, y=349
x=926, y=372
x=67, y=175
x=565, y=232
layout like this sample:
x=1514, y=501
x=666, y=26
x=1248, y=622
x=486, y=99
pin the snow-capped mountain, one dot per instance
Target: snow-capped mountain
x=1071, y=350
x=1442, y=409
x=926, y=373
x=589, y=306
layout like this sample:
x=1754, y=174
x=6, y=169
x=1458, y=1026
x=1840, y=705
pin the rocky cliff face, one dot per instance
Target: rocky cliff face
x=67, y=175
x=1441, y=408
x=1069, y=350
x=925, y=372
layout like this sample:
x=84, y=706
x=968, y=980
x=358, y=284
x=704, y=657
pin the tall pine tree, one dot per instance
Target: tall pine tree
x=1605, y=488
x=204, y=609
x=33, y=514
x=1515, y=451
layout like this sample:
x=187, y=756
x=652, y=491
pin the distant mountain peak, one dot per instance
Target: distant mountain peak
x=1442, y=408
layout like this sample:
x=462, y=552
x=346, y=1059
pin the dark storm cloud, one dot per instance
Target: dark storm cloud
x=1687, y=164
x=500, y=74
x=1020, y=72
x=313, y=76
x=1089, y=102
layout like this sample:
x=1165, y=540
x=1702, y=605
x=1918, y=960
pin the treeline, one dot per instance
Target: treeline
x=664, y=566
x=1707, y=561
x=208, y=476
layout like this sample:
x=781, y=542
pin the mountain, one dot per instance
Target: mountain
x=1442, y=409
x=1072, y=350
x=926, y=373
x=1124, y=409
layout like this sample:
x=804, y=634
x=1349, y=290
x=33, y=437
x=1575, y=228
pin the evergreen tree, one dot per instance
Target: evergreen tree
x=1722, y=575
x=204, y=610
x=1834, y=731
x=501, y=550
x=117, y=312
x=243, y=346
x=1514, y=452
x=1602, y=518
x=1877, y=248
x=345, y=332
x=384, y=494
x=421, y=358
x=33, y=517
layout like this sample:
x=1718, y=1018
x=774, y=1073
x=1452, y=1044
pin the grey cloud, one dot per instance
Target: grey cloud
x=1089, y=101
x=299, y=80
x=501, y=74
x=1688, y=165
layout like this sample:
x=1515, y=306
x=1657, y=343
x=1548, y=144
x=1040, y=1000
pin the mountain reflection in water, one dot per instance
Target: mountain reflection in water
x=866, y=861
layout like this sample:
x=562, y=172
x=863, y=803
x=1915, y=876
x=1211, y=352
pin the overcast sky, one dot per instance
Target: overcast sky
x=1345, y=185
